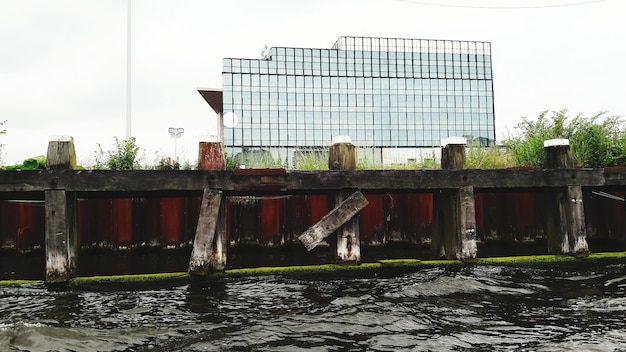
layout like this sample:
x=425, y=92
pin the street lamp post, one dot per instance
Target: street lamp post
x=176, y=133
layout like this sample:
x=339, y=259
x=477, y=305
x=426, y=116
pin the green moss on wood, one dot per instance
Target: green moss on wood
x=607, y=255
x=18, y=282
x=526, y=259
x=301, y=269
x=137, y=278
x=333, y=269
x=400, y=262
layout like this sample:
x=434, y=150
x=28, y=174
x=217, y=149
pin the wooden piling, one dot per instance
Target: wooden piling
x=453, y=153
x=203, y=243
x=342, y=156
x=61, y=238
x=565, y=219
x=211, y=154
x=61, y=153
x=454, y=211
x=210, y=241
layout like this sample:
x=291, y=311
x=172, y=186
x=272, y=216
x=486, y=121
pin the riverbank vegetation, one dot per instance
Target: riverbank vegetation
x=595, y=141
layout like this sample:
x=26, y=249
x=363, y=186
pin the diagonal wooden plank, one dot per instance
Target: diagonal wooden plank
x=205, y=232
x=333, y=220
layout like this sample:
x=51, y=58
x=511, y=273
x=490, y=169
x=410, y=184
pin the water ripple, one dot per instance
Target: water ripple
x=452, y=309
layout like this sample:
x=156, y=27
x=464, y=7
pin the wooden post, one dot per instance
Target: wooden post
x=454, y=212
x=565, y=218
x=210, y=243
x=61, y=153
x=203, y=243
x=453, y=153
x=342, y=156
x=211, y=154
x=61, y=238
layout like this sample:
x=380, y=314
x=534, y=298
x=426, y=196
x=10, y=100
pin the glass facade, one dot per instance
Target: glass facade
x=382, y=92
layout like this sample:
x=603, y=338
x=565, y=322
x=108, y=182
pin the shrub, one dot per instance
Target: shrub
x=165, y=163
x=594, y=143
x=123, y=157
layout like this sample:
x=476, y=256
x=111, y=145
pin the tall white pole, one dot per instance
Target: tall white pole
x=176, y=150
x=128, y=85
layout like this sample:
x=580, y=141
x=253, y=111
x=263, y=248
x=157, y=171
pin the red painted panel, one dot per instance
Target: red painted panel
x=297, y=217
x=318, y=207
x=122, y=222
x=420, y=215
x=23, y=225
x=371, y=220
x=171, y=221
x=271, y=213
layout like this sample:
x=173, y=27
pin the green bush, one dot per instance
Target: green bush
x=123, y=157
x=595, y=141
x=165, y=163
x=598, y=144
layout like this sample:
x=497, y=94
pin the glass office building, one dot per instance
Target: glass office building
x=386, y=94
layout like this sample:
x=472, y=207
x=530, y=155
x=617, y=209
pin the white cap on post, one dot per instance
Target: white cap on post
x=453, y=140
x=341, y=139
x=555, y=142
x=61, y=139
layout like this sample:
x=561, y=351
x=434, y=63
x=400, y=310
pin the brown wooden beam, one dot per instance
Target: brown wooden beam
x=146, y=181
x=333, y=220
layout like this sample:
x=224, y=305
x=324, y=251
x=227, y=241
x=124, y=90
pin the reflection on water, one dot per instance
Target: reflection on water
x=438, y=309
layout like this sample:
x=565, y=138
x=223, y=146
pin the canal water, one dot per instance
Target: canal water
x=482, y=308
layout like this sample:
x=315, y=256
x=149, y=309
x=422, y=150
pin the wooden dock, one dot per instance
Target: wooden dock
x=453, y=190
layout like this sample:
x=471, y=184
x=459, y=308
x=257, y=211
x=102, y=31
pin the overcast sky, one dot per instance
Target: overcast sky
x=63, y=62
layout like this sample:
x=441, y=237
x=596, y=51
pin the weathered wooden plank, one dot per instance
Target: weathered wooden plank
x=60, y=235
x=453, y=153
x=557, y=154
x=333, y=220
x=348, y=236
x=61, y=153
x=454, y=224
x=565, y=218
x=348, y=242
x=218, y=259
x=146, y=181
x=576, y=226
x=615, y=175
x=467, y=215
x=202, y=251
x=556, y=221
x=342, y=156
